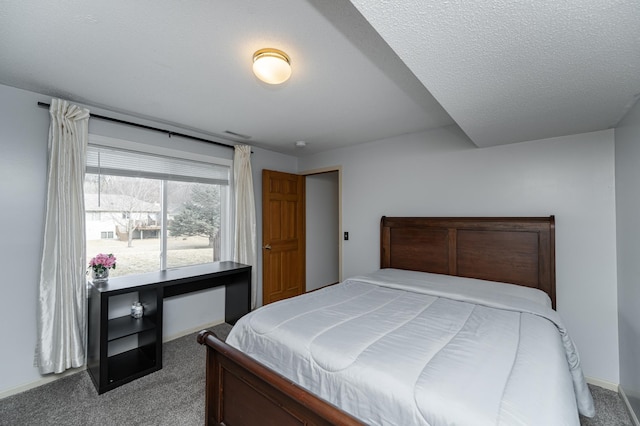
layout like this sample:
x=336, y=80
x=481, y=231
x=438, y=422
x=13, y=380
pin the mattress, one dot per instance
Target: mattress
x=409, y=348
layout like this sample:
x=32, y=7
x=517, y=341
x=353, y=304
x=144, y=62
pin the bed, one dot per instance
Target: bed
x=457, y=327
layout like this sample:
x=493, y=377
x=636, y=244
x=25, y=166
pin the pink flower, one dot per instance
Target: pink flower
x=103, y=261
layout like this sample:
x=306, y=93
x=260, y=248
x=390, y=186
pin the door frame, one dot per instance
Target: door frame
x=340, y=239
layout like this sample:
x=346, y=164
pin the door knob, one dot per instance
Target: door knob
x=267, y=247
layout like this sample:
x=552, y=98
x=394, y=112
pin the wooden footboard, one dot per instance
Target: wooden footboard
x=242, y=392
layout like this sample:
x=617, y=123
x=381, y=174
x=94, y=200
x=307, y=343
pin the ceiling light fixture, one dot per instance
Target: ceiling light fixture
x=272, y=66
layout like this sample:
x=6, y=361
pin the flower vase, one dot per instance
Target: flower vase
x=100, y=276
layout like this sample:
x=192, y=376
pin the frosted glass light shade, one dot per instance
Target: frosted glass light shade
x=271, y=66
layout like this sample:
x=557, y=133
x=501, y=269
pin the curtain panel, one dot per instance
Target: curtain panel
x=62, y=306
x=245, y=214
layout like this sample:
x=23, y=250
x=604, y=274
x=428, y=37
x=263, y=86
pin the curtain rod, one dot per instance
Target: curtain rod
x=143, y=126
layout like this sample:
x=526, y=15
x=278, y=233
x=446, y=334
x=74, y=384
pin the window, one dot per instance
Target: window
x=164, y=212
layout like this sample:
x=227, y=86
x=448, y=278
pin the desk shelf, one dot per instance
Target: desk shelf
x=107, y=335
x=130, y=365
x=127, y=326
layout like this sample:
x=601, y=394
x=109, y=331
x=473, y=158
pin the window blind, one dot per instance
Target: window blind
x=119, y=162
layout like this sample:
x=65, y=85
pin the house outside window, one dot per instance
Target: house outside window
x=161, y=212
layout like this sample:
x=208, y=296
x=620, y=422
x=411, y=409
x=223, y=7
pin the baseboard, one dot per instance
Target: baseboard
x=602, y=384
x=42, y=381
x=53, y=377
x=189, y=331
x=620, y=391
x=632, y=414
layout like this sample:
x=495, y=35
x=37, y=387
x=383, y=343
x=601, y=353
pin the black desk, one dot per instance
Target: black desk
x=109, y=372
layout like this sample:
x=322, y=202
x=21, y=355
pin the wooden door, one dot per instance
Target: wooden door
x=283, y=236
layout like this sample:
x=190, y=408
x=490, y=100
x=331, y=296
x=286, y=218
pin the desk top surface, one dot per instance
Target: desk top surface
x=170, y=277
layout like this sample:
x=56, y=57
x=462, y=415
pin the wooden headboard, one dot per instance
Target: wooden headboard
x=507, y=249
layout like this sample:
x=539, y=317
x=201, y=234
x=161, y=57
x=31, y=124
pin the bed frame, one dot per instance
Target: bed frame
x=240, y=391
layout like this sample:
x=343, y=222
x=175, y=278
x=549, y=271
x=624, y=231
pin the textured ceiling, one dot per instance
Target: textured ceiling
x=505, y=71
x=189, y=63
x=509, y=71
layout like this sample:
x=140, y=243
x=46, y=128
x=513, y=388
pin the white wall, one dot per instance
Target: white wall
x=23, y=173
x=440, y=173
x=627, y=136
x=322, y=239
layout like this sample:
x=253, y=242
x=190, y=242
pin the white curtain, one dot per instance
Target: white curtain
x=62, y=304
x=245, y=211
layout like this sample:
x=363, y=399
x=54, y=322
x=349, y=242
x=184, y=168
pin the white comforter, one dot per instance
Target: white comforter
x=410, y=348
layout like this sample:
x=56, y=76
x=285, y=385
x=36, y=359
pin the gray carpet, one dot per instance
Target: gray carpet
x=610, y=409
x=172, y=396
